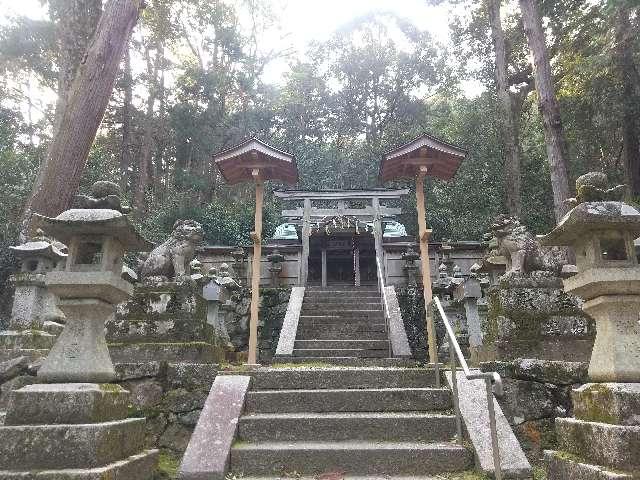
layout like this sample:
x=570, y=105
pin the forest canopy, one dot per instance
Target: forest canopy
x=191, y=83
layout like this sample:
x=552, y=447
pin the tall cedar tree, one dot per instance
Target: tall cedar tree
x=548, y=104
x=59, y=176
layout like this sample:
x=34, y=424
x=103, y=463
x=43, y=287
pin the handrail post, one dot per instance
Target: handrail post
x=495, y=447
x=454, y=387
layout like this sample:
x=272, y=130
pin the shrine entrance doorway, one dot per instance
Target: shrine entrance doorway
x=342, y=258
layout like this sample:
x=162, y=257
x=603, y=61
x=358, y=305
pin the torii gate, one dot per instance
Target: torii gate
x=306, y=216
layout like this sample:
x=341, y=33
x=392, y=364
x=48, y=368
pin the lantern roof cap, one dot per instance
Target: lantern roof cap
x=41, y=248
x=590, y=217
x=80, y=221
x=441, y=158
x=237, y=163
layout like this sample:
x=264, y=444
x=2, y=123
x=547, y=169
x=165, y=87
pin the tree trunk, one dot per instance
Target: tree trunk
x=548, y=104
x=509, y=124
x=59, y=176
x=144, y=160
x=629, y=100
x=76, y=22
x=127, y=109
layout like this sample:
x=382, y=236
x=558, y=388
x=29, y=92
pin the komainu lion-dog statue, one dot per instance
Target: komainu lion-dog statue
x=171, y=260
x=521, y=249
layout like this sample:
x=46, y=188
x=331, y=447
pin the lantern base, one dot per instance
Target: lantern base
x=616, y=351
x=80, y=354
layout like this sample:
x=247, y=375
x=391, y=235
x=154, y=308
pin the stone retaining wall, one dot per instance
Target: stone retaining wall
x=536, y=392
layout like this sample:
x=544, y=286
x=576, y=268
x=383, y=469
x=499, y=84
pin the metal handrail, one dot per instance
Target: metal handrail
x=384, y=301
x=493, y=384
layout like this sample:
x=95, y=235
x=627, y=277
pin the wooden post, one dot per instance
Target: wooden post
x=377, y=232
x=424, y=258
x=256, y=236
x=306, y=233
x=324, y=267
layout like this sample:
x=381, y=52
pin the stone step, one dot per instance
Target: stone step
x=343, y=352
x=343, y=312
x=346, y=296
x=362, y=458
x=340, y=378
x=393, y=426
x=315, y=378
x=348, y=361
x=326, y=334
x=314, y=343
x=336, y=305
x=342, y=288
x=334, y=318
x=348, y=400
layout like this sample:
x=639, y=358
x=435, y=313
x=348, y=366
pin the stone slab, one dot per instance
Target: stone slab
x=537, y=370
x=67, y=403
x=42, y=447
x=290, y=324
x=28, y=339
x=561, y=466
x=475, y=415
x=397, y=333
x=617, y=403
x=613, y=446
x=191, y=376
x=13, y=367
x=207, y=455
x=137, y=370
x=137, y=467
x=192, y=352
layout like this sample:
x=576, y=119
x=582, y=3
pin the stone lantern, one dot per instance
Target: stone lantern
x=410, y=257
x=89, y=288
x=276, y=259
x=239, y=258
x=34, y=313
x=73, y=423
x=601, y=234
x=218, y=293
x=468, y=291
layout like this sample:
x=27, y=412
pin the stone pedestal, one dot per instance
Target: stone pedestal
x=75, y=430
x=530, y=316
x=603, y=441
x=164, y=321
x=35, y=319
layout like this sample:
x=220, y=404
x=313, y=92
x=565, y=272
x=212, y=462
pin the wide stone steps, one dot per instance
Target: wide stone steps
x=333, y=304
x=358, y=457
x=344, y=352
x=325, y=319
x=348, y=400
x=341, y=378
x=347, y=361
x=342, y=344
x=346, y=334
x=332, y=426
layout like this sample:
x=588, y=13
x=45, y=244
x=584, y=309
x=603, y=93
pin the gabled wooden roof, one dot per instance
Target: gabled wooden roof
x=237, y=163
x=441, y=159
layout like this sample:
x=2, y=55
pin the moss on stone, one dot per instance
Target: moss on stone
x=168, y=465
x=593, y=404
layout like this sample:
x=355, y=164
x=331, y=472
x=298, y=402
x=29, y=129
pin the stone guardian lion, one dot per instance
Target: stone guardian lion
x=171, y=260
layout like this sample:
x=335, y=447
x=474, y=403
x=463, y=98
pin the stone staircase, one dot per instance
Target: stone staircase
x=341, y=324
x=354, y=421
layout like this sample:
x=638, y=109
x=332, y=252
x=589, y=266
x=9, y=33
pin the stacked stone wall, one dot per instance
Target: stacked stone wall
x=536, y=392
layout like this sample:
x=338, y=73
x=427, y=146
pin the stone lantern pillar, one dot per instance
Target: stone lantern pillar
x=276, y=259
x=239, y=259
x=468, y=291
x=35, y=318
x=74, y=420
x=603, y=440
x=410, y=267
x=217, y=293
